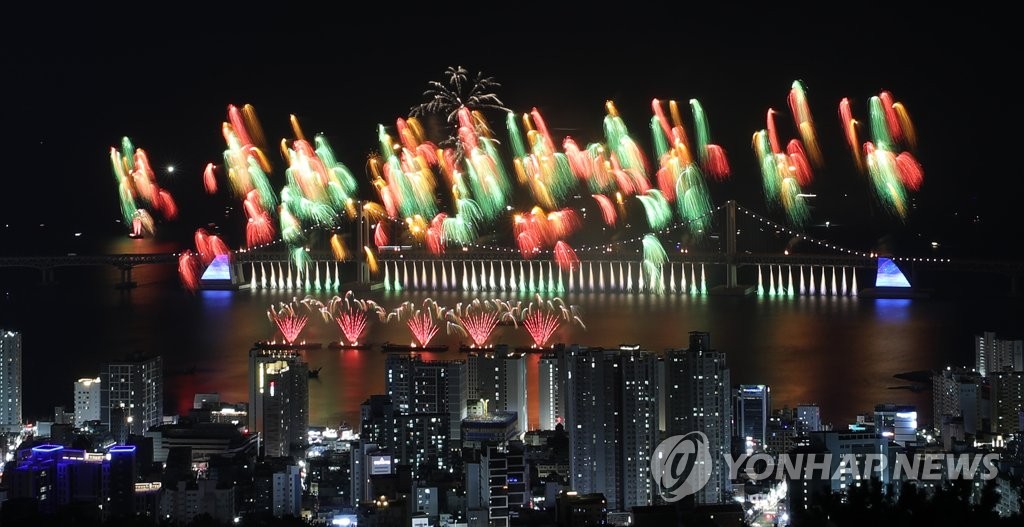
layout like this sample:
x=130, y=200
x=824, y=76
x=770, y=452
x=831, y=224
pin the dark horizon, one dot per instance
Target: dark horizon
x=169, y=93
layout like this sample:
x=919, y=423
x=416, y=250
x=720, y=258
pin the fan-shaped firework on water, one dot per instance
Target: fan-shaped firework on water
x=477, y=319
x=542, y=318
x=422, y=320
x=288, y=319
x=351, y=315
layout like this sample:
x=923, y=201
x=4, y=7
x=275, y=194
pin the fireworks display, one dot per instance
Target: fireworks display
x=190, y=268
x=210, y=246
x=478, y=319
x=785, y=173
x=471, y=186
x=351, y=315
x=542, y=318
x=422, y=320
x=653, y=265
x=679, y=175
x=288, y=319
x=887, y=157
x=138, y=189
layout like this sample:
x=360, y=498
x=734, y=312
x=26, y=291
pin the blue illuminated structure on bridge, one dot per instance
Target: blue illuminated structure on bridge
x=889, y=275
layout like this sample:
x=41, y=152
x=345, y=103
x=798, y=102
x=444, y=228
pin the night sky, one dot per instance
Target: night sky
x=74, y=87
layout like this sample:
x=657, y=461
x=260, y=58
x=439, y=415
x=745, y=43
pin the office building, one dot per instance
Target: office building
x=183, y=502
x=500, y=378
x=699, y=399
x=10, y=377
x=784, y=432
x=287, y=495
x=132, y=394
x=203, y=440
x=751, y=411
x=87, y=401
x=854, y=445
x=992, y=354
x=612, y=419
x=426, y=501
x=119, y=481
x=486, y=427
x=897, y=423
x=277, y=486
x=55, y=477
x=497, y=482
x=573, y=508
x=808, y=418
x=279, y=400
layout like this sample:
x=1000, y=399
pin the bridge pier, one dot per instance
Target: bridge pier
x=126, y=278
x=731, y=287
x=48, y=278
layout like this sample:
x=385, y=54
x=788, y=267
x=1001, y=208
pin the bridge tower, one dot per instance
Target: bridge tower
x=731, y=287
x=362, y=238
x=730, y=244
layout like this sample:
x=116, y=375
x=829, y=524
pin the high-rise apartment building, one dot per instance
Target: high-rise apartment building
x=612, y=419
x=992, y=354
x=698, y=399
x=10, y=377
x=550, y=396
x=279, y=400
x=1007, y=402
x=417, y=386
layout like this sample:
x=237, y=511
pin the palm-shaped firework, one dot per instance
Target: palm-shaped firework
x=542, y=318
x=350, y=314
x=457, y=90
x=478, y=318
x=289, y=318
x=421, y=320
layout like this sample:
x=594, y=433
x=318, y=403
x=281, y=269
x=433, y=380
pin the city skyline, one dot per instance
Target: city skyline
x=465, y=270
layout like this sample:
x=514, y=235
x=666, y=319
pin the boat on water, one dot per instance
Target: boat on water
x=388, y=347
x=354, y=347
x=314, y=373
x=286, y=346
x=534, y=349
x=464, y=348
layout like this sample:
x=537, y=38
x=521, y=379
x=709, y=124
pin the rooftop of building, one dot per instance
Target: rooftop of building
x=498, y=417
x=198, y=430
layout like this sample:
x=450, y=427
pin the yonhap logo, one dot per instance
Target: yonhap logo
x=681, y=465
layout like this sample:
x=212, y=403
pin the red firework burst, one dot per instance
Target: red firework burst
x=423, y=327
x=480, y=326
x=352, y=324
x=541, y=325
x=291, y=326
x=288, y=321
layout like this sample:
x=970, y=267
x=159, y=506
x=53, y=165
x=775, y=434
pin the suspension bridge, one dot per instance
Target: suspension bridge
x=809, y=266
